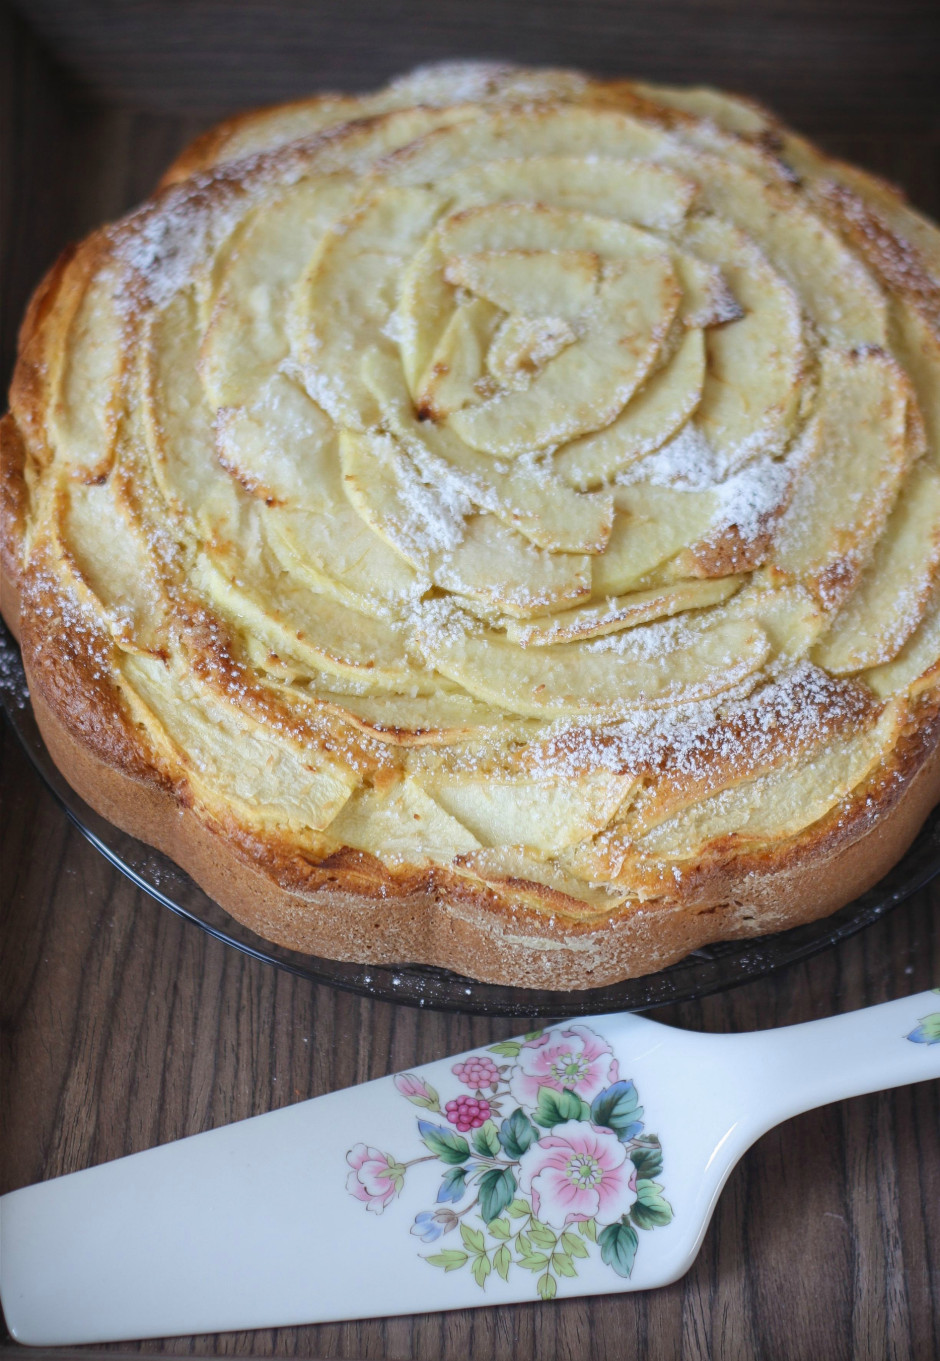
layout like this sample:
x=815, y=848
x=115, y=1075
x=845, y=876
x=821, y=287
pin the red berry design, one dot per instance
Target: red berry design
x=467, y=1112
x=477, y=1072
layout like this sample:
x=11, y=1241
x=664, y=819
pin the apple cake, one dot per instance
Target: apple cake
x=493, y=522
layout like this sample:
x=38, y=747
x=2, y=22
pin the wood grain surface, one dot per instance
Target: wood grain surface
x=124, y=1027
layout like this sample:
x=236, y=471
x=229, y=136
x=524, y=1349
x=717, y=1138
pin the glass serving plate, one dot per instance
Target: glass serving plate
x=705, y=971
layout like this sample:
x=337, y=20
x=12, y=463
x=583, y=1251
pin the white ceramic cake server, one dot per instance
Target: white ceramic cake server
x=583, y=1159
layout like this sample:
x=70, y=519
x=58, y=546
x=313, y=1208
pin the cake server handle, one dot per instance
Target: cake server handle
x=582, y=1159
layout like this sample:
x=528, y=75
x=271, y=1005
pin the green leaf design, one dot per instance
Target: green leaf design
x=517, y=1209
x=547, y=1287
x=445, y=1144
x=450, y=1259
x=648, y=1158
x=618, y=1109
x=523, y=1245
x=499, y=1228
x=589, y=1228
x=534, y=1261
x=563, y=1264
x=486, y=1140
x=516, y=1134
x=502, y=1261
x=506, y=1049
x=481, y=1269
x=618, y=1244
x=572, y=1245
x=453, y=1184
x=650, y=1209
x=497, y=1189
x=472, y=1238
x=542, y=1236
x=393, y=1172
x=554, y=1108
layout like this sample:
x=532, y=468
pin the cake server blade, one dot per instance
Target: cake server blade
x=583, y=1159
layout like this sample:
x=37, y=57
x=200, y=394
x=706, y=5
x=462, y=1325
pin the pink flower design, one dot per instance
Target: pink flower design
x=578, y=1172
x=376, y=1178
x=574, y=1058
x=419, y=1092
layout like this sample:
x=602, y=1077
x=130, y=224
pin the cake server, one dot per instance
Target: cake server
x=582, y=1159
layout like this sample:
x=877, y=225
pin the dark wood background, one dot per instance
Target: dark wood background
x=124, y=1027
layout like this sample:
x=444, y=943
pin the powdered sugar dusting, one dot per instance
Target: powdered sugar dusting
x=799, y=709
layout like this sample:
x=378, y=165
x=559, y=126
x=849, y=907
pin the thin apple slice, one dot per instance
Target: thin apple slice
x=179, y=429
x=425, y=306
x=499, y=568
x=414, y=518
x=856, y=454
x=522, y=133
x=916, y=667
x=84, y=415
x=755, y=364
x=401, y=823
x=589, y=383
x=555, y=283
x=528, y=499
x=347, y=297
x=524, y=345
x=232, y=760
x=893, y=591
x=279, y=448
x=917, y=346
x=777, y=805
x=105, y=555
x=622, y=612
x=640, y=192
x=438, y=719
x=651, y=667
x=247, y=337
x=652, y=416
x=654, y=523
x=336, y=553
x=544, y=814
x=302, y=627
x=458, y=362
x=833, y=285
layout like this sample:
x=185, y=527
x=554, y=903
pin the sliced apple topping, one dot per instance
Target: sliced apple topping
x=648, y=667
x=523, y=496
x=652, y=416
x=622, y=612
x=893, y=592
x=546, y=485
x=546, y=815
x=853, y=464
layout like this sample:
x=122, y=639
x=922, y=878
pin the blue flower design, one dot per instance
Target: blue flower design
x=928, y=1032
x=429, y=1225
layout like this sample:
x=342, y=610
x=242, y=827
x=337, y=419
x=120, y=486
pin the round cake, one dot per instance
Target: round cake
x=493, y=523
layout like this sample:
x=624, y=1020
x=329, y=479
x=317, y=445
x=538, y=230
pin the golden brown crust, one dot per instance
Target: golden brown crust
x=344, y=903
x=13, y=500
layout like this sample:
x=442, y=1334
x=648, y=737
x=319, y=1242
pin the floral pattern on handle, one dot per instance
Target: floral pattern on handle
x=928, y=1030
x=544, y=1156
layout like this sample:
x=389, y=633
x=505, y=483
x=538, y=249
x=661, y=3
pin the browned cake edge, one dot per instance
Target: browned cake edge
x=354, y=908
